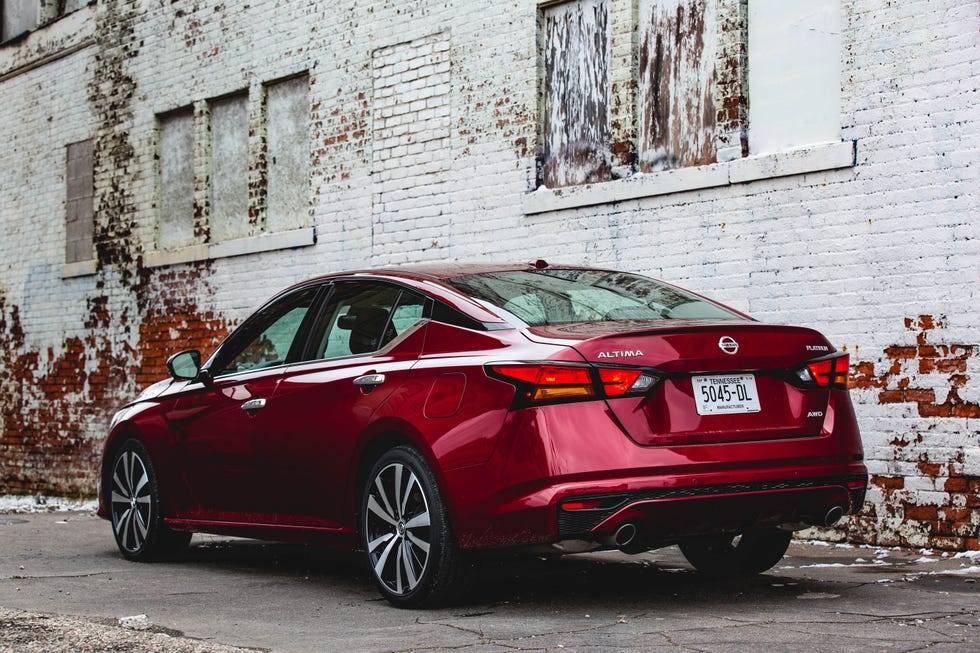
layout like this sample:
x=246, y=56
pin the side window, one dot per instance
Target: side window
x=362, y=317
x=408, y=311
x=267, y=339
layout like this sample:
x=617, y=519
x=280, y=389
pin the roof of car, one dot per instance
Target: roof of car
x=450, y=270
x=435, y=275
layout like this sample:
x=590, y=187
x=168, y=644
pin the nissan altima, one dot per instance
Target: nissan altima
x=427, y=415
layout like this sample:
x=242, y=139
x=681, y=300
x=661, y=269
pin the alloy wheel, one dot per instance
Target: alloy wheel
x=131, y=501
x=397, y=522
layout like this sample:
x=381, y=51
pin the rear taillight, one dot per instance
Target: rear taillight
x=620, y=381
x=826, y=372
x=539, y=383
x=548, y=382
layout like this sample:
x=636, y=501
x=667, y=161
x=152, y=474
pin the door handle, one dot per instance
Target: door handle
x=253, y=404
x=369, y=380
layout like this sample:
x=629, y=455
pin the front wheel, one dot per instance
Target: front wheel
x=134, y=500
x=405, y=532
x=749, y=553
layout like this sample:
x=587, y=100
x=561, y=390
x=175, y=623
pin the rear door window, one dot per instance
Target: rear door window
x=362, y=317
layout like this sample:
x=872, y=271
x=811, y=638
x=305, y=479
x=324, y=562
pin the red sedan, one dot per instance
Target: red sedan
x=426, y=414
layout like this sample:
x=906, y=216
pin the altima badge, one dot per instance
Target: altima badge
x=619, y=354
x=728, y=345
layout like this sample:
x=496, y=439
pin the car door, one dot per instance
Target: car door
x=219, y=424
x=362, y=345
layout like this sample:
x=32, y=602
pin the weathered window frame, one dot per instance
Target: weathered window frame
x=45, y=13
x=733, y=162
x=79, y=209
x=258, y=239
x=587, y=158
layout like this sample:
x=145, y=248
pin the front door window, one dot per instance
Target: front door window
x=268, y=339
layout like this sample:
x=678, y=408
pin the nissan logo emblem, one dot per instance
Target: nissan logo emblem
x=728, y=345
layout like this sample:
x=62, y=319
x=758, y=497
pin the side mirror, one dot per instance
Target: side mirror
x=185, y=365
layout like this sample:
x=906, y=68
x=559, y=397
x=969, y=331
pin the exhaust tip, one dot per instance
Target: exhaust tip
x=833, y=516
x=625, y=534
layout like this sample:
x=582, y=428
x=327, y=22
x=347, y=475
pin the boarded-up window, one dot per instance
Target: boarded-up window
x=79, y=216
x=17, y=17
x=229, y=167
x=288, y=157
x=575, y=97
x=794, y=73
x=676, y=75
x=176, y=226
x=74, y=5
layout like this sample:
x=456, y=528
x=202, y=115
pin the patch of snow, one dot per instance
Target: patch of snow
x=956, y=572
x=876, y=563
x=818, y=596
x=16, y=503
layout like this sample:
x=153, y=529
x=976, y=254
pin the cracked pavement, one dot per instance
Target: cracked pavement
x=64, y=587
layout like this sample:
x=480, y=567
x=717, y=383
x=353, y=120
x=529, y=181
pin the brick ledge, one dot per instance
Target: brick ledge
x=812, y=158
x=239, y=247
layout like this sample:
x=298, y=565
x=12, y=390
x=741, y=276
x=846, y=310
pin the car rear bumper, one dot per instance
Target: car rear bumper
x=666, y=513
x=550, y=456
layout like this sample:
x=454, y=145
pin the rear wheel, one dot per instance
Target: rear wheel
x=751, y=552
x=134, y=502
x=405, y=532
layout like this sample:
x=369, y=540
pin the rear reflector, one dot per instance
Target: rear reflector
x=582, y=505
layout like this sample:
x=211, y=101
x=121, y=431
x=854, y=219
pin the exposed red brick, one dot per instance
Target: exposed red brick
x=928, y=358
x=956, y=514
x=929, y=469
x=955, y=484
x=891, y=396
x=951, y=366
x=863, y=376
x=935, y=410
x=920, y=396
x=888, y=482
x=927, y=351
x=922, y=513
x=899, y=352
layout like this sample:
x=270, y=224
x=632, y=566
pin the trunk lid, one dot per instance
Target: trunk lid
x=710, y=371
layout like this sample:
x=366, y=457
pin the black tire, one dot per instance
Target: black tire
x=750, y=553
x=410, y=549
x=134, y=506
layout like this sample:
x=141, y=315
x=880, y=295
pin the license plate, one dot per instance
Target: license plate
x=724, y=394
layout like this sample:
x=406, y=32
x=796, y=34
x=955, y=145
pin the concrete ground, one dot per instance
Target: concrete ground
x=64, y=587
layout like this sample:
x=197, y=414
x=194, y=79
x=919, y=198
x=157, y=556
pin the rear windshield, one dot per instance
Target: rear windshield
x=541, y=297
